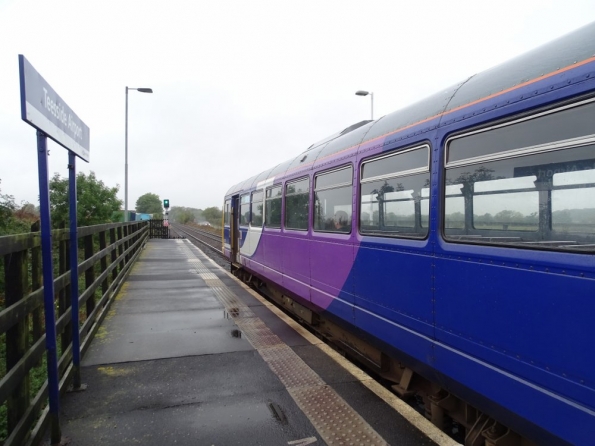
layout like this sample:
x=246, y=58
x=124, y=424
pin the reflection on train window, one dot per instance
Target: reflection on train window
x=256, y=209
x=297, y=204
x=227, y=213
x=425, y=207
x=573, y=187
x=455, y=207
x=394, y=195
x=245, y=210
x=541, y=197
x=332, y=200
x=272, y=217
x=510, y=204
x=501, y=204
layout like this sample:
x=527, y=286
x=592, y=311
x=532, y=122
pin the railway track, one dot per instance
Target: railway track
x=199, y=237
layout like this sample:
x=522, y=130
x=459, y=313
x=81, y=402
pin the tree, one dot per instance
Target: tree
x=96, y=203
x=7, y=207
x=186, y=216
x=149, y=204
x=179, y=213
x=508, y=216
x=10, y=221
x=14, y=220
x=213, y=215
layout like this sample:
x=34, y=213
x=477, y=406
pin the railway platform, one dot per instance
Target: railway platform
x=188, y=355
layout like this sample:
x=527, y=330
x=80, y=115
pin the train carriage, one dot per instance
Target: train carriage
x=451, y=245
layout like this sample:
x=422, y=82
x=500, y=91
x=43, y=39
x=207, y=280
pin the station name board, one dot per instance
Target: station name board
x=45, y=110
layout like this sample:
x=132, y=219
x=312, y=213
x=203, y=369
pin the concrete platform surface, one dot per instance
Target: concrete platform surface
x=189, y=356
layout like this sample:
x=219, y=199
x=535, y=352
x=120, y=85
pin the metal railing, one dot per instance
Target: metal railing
x=102, y=268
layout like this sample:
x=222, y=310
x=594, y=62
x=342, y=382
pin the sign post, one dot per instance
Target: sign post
x=43, y=108
x=48, y=286
x=74, y=274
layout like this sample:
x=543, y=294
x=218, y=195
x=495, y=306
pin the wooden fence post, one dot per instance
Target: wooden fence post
x=114, y=253
x=120, y=248
x=36, y=315
x=127, y=243
x=15, y=271
x=90, y=273
x=103, y=245
x=64, y=293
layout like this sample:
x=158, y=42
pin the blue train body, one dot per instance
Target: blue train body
x=470, y=249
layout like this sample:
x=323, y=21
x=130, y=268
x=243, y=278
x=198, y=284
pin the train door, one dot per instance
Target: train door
x=234, y=229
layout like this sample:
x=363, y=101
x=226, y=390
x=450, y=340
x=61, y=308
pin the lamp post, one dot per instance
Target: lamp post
x=366, y=93
x=142, y=90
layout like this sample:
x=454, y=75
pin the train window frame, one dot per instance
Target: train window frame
x=342, y=225
x=548, y=232
x=421, y=226
x=244, y=202
x=269, y=206
x=287, y=198
x=254, y=223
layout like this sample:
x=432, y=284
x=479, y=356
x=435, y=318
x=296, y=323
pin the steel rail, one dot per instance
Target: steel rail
x=195, y=234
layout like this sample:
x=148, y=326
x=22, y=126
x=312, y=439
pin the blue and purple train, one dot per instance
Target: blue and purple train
x=450, y=245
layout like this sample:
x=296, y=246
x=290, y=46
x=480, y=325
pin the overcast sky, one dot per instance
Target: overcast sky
x=240, y=86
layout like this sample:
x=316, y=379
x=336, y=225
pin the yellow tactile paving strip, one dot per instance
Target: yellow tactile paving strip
x=331, y=419
x=334, y=419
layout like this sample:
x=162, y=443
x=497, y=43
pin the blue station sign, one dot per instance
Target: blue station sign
x=45, y=110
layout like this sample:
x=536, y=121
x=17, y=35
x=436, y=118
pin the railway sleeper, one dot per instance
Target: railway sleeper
x=441, y=407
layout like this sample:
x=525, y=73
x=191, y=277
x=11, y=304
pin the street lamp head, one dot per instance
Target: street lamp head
x=366, y=93
x=142, y=90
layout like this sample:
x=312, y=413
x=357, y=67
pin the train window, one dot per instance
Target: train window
x=557, y=125
x=272, y=218
x=538, y=197
x=297, y=204
x=245, y=210
x=394, y=194
x=227, y=213
x=332, y=200
x=408, y=161
x=256, y=208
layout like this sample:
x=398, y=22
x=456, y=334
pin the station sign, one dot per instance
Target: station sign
x=45, y=110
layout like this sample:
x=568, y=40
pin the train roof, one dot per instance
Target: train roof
x=566, y=51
